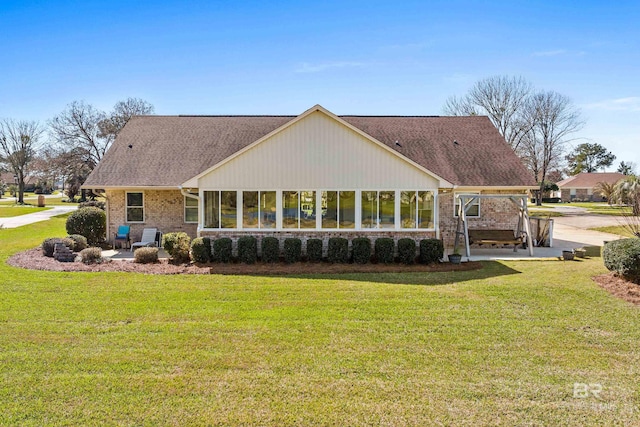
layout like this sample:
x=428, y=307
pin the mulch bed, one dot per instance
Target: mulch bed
x=619, y=287
x=33, y=259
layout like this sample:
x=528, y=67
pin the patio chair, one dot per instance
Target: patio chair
x=122, y=235
x=148, y=238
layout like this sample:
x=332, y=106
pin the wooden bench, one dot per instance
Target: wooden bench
x=494, y=238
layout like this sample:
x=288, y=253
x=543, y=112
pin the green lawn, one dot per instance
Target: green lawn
x=500, y=346
x=8, y=211
x=602, y=208
x=615, y=229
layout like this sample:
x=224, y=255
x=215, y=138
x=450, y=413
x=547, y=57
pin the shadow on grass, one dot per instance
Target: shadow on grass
x=489, y=269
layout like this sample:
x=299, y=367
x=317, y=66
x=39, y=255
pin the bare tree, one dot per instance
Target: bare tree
x=86, y=128
x=19, y=141
x=77, y=126
x=502, y=99
x=553, y=118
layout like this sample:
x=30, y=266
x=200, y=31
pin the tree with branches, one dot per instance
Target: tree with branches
x=627, y=168
x=19, y=140
x=553, y=118
x=503, y=100
x=589, y=158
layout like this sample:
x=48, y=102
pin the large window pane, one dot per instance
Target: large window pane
x=135, y=207
x=290, y=209
x=387, y=217
x=307, y=209
x=425, y=209
x=250, y=210
x=408, y=209
x=228, y=209
x=347, y=206
x=369, y=202
x=267, y=209
x=329, y=209
x=211, y=209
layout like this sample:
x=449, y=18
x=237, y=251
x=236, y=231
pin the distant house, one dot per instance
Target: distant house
x=312, y=175
x=581, y=187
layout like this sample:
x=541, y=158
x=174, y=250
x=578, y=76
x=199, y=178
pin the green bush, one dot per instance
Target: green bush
x=623, y=257
x=384, y=247
x=407, y=250
x=91, y=255
x=89, y=222
x=314, y=250
x=292, y=250
x=177, y=246
x=49, y=245
x=338, y=250
x=201, y=250
x=431, y=251
x=92, y=204
x=80, y=242
x=146, y=255
x=361, y=250
x=270, y=247
x=222, y=249
x=248, y=249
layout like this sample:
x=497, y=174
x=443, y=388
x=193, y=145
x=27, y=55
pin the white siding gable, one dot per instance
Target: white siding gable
x=317, y=152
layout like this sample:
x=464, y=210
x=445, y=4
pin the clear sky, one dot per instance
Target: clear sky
x=352, y=57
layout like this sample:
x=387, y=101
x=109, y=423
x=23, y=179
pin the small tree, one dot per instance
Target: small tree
x=18, y=143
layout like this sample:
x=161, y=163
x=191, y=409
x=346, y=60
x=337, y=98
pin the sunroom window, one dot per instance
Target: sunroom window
x=339, y=209
x=259, y=209
x=220, y=209
x=298, y=209
x=416, y=209
x=378, y=209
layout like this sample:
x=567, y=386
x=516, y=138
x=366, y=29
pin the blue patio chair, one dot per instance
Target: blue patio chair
x=122, y=235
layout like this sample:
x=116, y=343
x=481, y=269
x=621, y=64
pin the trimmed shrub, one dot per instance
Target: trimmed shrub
x=222, y=250
x=407, y=250
x=384, y=247
x=292, y=250
x=338, y=250
x=177, y=246
x=270, y=249
x=91, y=255
x=361, y=250
x=80, y=242
x=49, y=245
x=92, y=204
x=431, y=251
x=314, y=250
x=248, y=249
x=146, y=255
x=201, y=250
x=89, y=222
x=623, y=257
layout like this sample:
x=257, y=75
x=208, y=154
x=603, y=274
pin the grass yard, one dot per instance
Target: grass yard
x=615, y=229
x=500, y=346
x=9, y=211
x=602, y=208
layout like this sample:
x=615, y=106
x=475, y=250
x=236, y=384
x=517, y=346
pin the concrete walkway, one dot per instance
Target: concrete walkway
x=19, y=221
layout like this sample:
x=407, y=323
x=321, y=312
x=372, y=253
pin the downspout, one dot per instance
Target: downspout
x=185, y=193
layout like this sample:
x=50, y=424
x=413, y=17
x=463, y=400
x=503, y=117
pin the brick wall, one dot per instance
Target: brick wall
x=163, y=209
x=494, y=214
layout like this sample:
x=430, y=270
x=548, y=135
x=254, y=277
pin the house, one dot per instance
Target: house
x=582, y=187
x=312, y=175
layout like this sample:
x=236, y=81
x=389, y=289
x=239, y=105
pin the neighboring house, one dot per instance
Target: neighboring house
x=582, y=187
x=312, y=175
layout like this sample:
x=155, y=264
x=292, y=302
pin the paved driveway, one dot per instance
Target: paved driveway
x=19, y=221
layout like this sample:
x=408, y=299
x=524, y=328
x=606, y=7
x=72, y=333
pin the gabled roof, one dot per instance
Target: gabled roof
x=166, y=151
x=590, y=180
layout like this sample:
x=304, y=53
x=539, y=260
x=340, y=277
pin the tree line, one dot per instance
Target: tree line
x=65, y=148
x=538, y=124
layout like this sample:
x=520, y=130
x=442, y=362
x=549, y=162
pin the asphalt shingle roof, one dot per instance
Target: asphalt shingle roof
x=590, y=180
x=166, y=151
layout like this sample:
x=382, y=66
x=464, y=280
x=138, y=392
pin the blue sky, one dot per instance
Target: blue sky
x=282, y=57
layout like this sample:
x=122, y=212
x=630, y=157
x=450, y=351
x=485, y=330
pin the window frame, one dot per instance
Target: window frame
x=127, y=207
x=476, y=203
x=196, y=207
